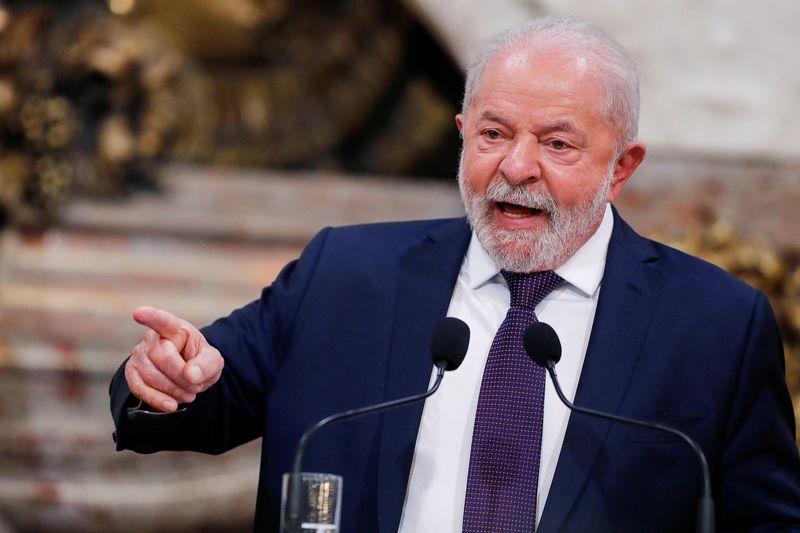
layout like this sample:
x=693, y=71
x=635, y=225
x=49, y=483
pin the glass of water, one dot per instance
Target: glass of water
x=318, y=503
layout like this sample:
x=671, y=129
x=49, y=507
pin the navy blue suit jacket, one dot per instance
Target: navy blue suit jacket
x=675, y=340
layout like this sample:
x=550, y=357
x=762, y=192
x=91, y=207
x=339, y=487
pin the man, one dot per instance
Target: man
x=549, y=125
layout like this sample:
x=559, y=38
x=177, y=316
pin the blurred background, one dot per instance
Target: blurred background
x=179, y=153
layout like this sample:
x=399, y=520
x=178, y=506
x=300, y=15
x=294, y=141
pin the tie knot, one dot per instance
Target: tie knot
x=528, y=289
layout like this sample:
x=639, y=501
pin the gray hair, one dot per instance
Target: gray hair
x=612, y=65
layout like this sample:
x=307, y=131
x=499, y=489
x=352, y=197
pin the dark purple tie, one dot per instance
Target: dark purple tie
x=507, y=438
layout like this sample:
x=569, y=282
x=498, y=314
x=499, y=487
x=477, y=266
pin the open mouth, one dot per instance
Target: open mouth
x=517, y=211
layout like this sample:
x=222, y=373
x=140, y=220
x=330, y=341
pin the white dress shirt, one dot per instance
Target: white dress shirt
x=438, y=482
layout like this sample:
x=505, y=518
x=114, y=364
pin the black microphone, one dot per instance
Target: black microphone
x=449, y=344
x=543, y=346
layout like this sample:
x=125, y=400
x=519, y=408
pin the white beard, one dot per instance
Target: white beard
x=532, y=250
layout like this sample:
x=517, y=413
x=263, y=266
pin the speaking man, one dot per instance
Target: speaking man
x=549, y=125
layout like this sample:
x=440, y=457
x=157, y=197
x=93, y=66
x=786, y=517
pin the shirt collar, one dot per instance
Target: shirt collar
x=583, y=270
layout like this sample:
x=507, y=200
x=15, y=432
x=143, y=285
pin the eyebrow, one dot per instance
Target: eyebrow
x=491, y=116
x=559, y=125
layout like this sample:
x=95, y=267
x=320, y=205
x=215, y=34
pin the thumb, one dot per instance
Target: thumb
x=193, y=373
x=205, y=368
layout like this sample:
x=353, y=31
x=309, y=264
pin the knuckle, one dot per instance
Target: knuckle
x=165, y=344
x=193, y=389
x=177, y=393
x=156, y=356
x=167, y=348
x=132, y=376
x=140, y=391
x=161, y=360
x=137, y=352
x=173, y=370
x=174, y=391
x=150, y=339
x=129, y=374
x=137, y=388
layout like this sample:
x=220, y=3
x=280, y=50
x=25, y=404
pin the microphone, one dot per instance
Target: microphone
x=449, y=344
x=543, y=346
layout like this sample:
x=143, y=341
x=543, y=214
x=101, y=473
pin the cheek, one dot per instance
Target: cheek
x=572, y=186
x=478, y=170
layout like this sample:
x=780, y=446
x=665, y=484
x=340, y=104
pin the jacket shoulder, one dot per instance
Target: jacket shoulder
x=683, y=272
x=701, y=273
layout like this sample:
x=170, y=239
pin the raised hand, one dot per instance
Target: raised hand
x=172, y=363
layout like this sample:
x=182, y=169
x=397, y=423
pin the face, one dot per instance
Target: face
x=540, y=161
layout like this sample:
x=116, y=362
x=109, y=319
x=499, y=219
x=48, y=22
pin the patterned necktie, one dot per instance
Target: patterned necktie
x=507, y=438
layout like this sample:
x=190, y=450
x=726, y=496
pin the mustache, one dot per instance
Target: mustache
x=530, y=196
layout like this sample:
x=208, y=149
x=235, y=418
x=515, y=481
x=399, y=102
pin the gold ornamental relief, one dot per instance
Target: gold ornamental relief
x=307, y=84
x=211, y=31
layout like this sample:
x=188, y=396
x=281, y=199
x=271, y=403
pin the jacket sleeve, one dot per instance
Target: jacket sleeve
x=252, y=341
x=759, y=482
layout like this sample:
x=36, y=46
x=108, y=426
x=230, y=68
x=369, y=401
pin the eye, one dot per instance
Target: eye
x=557, y=144
x=491, y=134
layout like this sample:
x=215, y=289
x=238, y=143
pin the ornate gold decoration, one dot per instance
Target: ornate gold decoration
x=245, y=82
x=278, y=86
x=84, y=105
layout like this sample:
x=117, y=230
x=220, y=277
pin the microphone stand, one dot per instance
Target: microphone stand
x=293, y=488
x=705, y=510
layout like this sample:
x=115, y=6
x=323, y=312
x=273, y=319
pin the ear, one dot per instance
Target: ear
x=460, y=123
x=626, y=164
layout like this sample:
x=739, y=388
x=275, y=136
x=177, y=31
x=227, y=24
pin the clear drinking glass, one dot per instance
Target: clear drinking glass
x=319, y=503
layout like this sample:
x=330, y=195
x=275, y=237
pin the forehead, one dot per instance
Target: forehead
x=540, y=79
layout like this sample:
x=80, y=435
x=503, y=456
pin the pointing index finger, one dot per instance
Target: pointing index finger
x=165, y=324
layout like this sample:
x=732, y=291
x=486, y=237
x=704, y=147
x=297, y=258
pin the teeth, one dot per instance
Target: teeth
x=516, y=215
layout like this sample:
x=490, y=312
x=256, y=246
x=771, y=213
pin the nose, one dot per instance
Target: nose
x=521, y=162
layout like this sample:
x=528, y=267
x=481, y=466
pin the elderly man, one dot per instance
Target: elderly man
x=549, y=126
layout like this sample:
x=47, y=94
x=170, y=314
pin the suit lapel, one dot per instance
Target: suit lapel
x=425, y=285
x=630, y=290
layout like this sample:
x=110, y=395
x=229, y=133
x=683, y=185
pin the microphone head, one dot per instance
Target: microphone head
x=541, y=342
x=449, y=343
